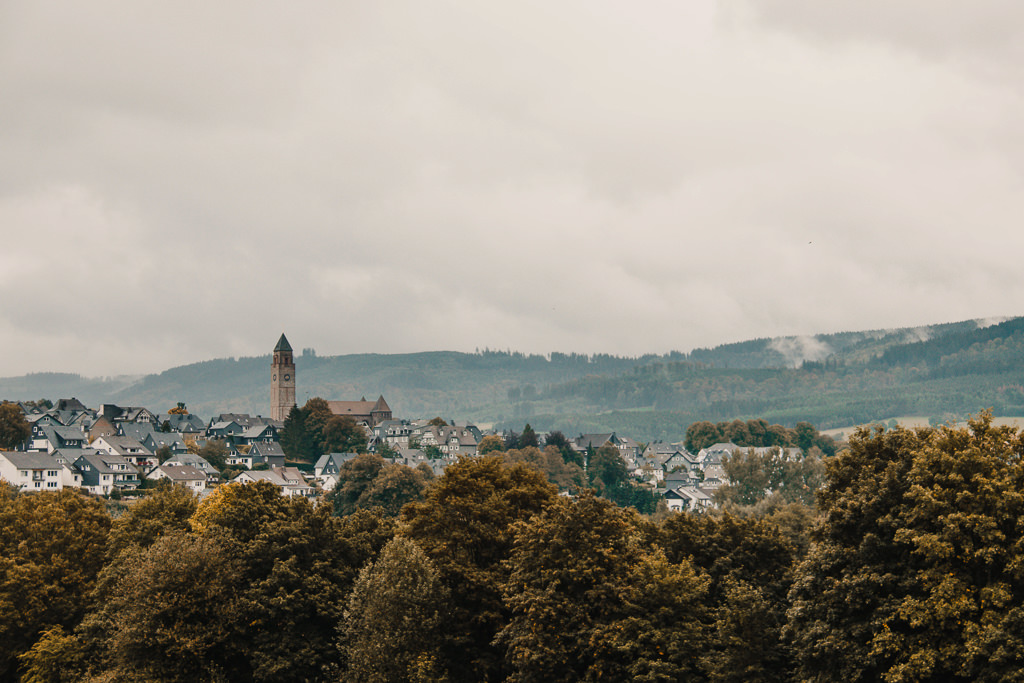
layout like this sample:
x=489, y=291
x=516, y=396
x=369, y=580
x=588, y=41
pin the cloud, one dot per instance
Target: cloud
x=183, y=181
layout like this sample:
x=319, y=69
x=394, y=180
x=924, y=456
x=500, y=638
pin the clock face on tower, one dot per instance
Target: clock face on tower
x=274, y=377
x=287, y=377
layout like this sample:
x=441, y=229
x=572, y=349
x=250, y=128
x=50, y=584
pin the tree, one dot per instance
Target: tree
x=215, y=452
x=569, y=454
x=52, y=547
x=528, y=439
x=169, y=613
x=14, y=428
x=438, y=422
x=341, y=434
x=591, y=601
x=296, y=440
x=606, y=468
x=566, y=476
x=163, y=453
x=748, y=563
x=465, y=526
x=432, y=452
x=490, y=444
x=368, y=482
x=391, y=630
x=701, y=435
x=179, y=409
x=917, y=573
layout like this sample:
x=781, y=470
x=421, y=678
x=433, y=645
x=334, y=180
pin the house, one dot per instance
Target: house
x=117, y=414
x=688, y=498
x=69, y=473
x=395, y=433
x=193, y=460
x=286, y=481
x=328, y=466
x=263, y=453
x=245, y=420
x=185, y=424
x=266, y=433
x=31, y=471
x=52, y=436
x=102, y=427
x=716, y=452
x=103, y=473
x=295, y=480
x=128, y=448
x=183, y=475
x=224, y=431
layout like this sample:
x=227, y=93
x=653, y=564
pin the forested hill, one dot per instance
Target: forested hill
x=834, y=380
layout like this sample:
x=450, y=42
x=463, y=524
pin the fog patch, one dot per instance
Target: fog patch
x=917, y=334
x=982, y=323
x=796, y=350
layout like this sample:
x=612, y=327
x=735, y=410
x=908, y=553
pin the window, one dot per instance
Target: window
x=51, y=484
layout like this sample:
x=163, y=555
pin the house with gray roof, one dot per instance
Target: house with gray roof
x=688, y=498
x=103, y=473
x=280, y=477
x=33, y=471
x=328, y=466
x=196, y=461
x=50, y=437
x=128, y=448
x=182, y=475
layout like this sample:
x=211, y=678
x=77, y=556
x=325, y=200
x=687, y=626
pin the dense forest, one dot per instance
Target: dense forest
x=941, y=371
x=907, y=566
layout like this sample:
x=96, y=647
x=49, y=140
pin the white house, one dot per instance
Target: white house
x=31, y=471
x=184, y=475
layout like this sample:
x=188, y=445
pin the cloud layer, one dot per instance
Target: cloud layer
x=186, y=180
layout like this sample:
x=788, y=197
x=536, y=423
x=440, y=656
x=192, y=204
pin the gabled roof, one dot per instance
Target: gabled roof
x=335, y=459
x=595, y=440
x=361, y=408
x=267, y=448
x=282, y=344
x=30, y=461
x=181, y=473
x=190, y=459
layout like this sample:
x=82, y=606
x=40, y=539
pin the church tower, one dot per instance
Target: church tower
x=282, y=380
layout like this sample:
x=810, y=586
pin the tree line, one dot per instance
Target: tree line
x=908, y=567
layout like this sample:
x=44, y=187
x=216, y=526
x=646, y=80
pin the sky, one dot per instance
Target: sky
x=186, y=180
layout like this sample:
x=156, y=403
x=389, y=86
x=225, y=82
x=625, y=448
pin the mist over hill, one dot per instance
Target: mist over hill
x=832, y=380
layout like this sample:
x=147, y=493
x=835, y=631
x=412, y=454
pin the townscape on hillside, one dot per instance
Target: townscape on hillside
x=113, y=450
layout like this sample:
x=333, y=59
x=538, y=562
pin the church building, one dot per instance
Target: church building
x=282, y=393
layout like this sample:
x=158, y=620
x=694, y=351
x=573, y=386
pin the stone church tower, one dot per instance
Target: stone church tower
x=282, y=380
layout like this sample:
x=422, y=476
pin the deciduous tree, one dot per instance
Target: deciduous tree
x=918, y=569
x=465, y=525
x=392, y=624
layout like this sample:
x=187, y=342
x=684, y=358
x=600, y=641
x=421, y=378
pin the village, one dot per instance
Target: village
x=114, y=450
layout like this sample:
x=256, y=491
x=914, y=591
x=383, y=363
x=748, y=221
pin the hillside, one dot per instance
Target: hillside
x=834, y=380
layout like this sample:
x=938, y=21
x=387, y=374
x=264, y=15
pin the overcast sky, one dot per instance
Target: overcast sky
x=185, y=180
